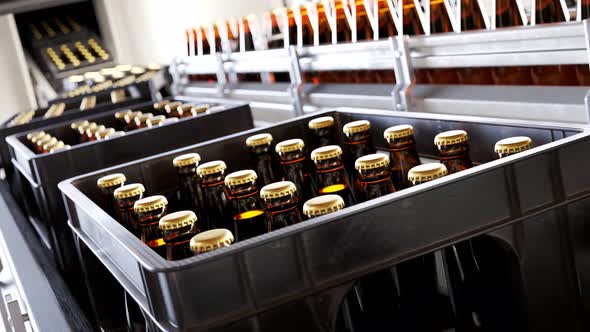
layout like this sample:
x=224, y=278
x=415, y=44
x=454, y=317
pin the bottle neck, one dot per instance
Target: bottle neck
x=400, y=144
x=374, y=175
x=214, y=179
x=328, y=165
x=150, y=218
x=357, y=138
x=453, y=150
x=244, y=190
x=187, y=170
x=291, y=157
x=260, y=149
x=127, y=203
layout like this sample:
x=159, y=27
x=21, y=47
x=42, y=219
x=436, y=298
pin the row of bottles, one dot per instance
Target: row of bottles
x=42, y=142
x=330, y=22
x=251, y=202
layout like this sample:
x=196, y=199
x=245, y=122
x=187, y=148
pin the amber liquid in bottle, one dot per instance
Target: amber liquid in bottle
x=282, y=211
x=150, y=230
x=247, y=209
x=331, y=178
x=295, y=169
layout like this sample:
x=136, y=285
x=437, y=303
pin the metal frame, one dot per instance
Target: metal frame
x=564, y=43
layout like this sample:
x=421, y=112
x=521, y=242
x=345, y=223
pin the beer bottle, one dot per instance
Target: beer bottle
x=148, y=212
x=198, y=109
x=321, y=205
x=91, y=132
x=211, y=240
x=189, y=183
x=42, y=141
x=104, y=133
x=75, y=125
x=453, y=150
x=141, y=120
x=262, y=159
x=53, y=145
x=461, y=269
x=331, y=177
x=37, y=137
x=184, y=110
x=212, y=175
x=125, y=198
x=402, y=153
x=178, y=229
x=358, y=140
x=373, y=175
x=120, y=116
x=159, y=107
x=130, y=120
x=293, y=163
x=172, y=109
x=38, y=134
x=512, y=145
x=323, y=129
x=281, y=204
x=107, y=185
x=247, y=208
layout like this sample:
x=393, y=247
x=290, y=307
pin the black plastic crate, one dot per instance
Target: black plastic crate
x=295, y=278
x=40, y=173
x=135, y=94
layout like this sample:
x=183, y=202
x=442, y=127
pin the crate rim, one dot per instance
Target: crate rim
x=152, y=262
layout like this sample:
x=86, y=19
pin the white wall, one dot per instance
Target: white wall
x=144, y=31
x=16, y=90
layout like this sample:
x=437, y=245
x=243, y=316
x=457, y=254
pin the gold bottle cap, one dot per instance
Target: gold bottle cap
x=278, y=189
x=240, y=177
x=55, y=110
x=115, y=134
x=111, y=180
x=143, y=118
x=171, y=107
x=321, y=205
x=149, y=203
x=155, y=120
x=427, y=172
x=104, y=133
x=184, y=108
x=53, y=144
x=35, y=134
x=136, y=70
x=130, y=117
x=211, y=167
x=121, y=114
x=356, y=127
x=290, y=145
x=118, y=96
x=123, y=68
x=186, y=159
x=211, y=240
x=78, y=124
x=88, y=102
x=259, y=139
x=60, y=148
x=90, y=131
x=199, y=109
x=450, y=137
x=36, y=139
x=326, y=152
x=177, y=220
x=130, y=190
x=372, y=161
x=168, y=121
x=159, y=105
x=321, y=122
x=513, y=144
x=398, y=131
x=44, y=140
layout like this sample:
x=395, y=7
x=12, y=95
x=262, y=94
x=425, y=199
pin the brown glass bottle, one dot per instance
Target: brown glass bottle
x=512, y=145
x=172, y=109
x=262, y=159
x=159, y=107
x=42, y=141
x=453, y=150
x=331, y=177
x=148, y=212
x=207, y=241
x=184, y=110
x=402, y=153
x=178, y=229
x=74, y=126
x=125, y=198
x=36, y=138
x=130, y=120
x=156, y=120
x=324, y=131
x=49, y=144
x=120, y=116
x=215, y=202
x=107, y=185
x=357, y=136
x=104, y=133
x=374, y=179
x=281, y=204
x=189, y=183
x=91, y=132
x=294, y=165
x=247, y=209
x=141, y=121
